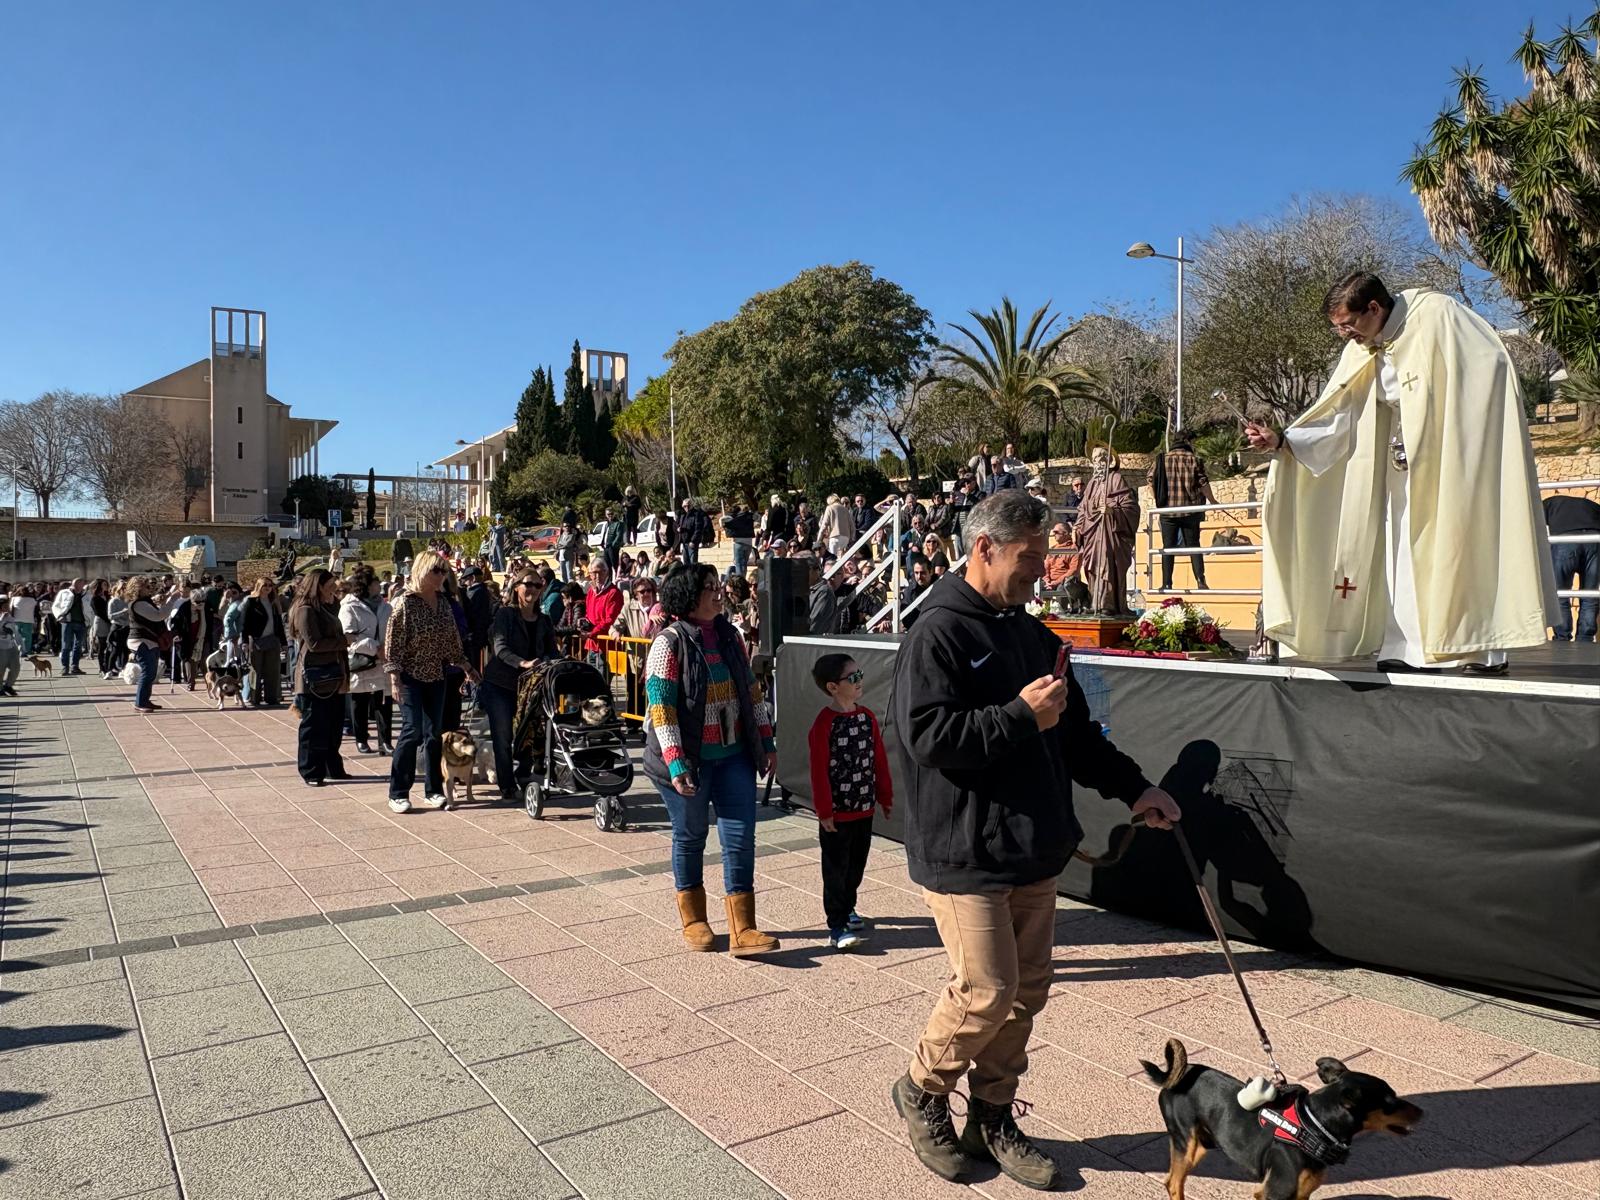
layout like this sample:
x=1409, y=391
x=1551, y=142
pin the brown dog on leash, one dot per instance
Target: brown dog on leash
x=459, y=758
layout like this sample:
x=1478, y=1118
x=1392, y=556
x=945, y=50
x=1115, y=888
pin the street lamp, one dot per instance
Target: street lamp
x=1146, y=250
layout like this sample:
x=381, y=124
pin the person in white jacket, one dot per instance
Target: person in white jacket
x=364, y=618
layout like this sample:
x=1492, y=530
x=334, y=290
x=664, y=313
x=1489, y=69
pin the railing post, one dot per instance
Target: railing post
x=894, y=550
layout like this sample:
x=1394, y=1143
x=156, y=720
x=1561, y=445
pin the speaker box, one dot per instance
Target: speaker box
x=784, y=600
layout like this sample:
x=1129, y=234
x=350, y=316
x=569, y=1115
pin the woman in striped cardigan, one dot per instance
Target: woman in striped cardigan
x=705, y=740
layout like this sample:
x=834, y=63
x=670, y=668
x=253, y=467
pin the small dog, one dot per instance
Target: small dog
x=596, y=712
x=222, y=685
x=1075, y=596
x=1229, y=537
x=1287, y=1143
x=460, y=761
x=41, y=665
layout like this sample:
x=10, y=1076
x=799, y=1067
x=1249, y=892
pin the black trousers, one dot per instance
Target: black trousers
x=1179, y=532
x=844, y=862
x=321, y=728
x=421, y=725
x=366, y=707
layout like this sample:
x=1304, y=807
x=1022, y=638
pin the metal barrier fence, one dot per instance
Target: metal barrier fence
x=619, y=659
x=1153, y=554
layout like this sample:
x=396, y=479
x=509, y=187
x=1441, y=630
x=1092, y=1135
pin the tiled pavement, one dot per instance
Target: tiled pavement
x=259, y=989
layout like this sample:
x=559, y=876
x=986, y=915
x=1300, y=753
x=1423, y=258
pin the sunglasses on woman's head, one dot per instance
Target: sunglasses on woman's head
x=438, y=570
x=855, y=676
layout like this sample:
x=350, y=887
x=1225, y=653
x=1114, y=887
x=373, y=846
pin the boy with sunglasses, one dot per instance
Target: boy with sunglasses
x=849, y=775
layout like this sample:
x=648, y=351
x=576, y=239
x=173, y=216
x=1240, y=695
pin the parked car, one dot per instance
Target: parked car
x=541, y=540
x=597, y=536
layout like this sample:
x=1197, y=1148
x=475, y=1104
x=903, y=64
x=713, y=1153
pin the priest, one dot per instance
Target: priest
x=1108, y=518
x=1401, y=515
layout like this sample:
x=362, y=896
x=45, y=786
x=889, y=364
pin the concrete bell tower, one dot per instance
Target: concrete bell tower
x=240, y=427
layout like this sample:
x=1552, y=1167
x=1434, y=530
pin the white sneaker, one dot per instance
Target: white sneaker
x=435, y=801
x=399, y=804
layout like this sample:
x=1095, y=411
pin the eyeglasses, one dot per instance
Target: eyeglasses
x=854, y=677
x=439, y=570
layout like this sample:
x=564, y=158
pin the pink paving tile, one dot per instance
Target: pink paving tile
x=899, y=1021
x=342, y=877
x=564, y=977
x=515, y=936
x=1542, y=1070
x=360, y=899
x=269, y=904
x=436, y=881
x=1225, y=1024
x=894, y=875
x=1104, y=1036
x=1121, y=977
x=481, y=910
x=187, y=805
x=1274, y=991
x=219, y=881
x=1428, y=1165
x=791, y=1030
x=639, y=844
x=1511, y=1122
x=641, y=1027
x=583, y=860
x=1575, y=1160
x=207, y=831
x=444, y=832
x=537, y=836
x=631, y=939
x=1109, y=1110
x=841, y=982
x=842, y=1158
x=202, y=857
x=659, y=884
x=374, y=836
x=498, y=857
x=734, y=1094
x=861, y=1084
x=576, y=906
x=312, y=855
x=1453, y=1049
x=533, y=874
x=929, y=972
x=700, y=980
x=408, y=856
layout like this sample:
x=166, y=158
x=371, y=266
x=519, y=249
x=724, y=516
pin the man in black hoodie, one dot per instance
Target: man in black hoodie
x=990, y=743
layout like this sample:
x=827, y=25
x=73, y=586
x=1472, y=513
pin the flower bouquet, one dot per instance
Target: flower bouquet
x=1177, y=627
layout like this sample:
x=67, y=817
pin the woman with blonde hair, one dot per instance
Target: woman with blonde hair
x=422, y=641
x=147, y=616
x=321, y=677
x=261, y=623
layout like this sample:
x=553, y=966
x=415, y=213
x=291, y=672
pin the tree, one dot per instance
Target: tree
x=1009, y=373
x=36, y=445
x=1517, y=187
x=372, y=498
x=538, y=428
x=427, y=501
x=762, y=397
x=1132, y=354
x=190, y=463
x=644, y=434
x=577, y=410
x=318, y=495
x=118, y=445
x=1256, y=291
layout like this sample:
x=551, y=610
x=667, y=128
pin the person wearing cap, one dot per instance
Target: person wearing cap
x=479, y=606
x=521, y=635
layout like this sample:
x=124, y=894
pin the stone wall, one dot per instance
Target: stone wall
x=91, y=566
x=53, y=537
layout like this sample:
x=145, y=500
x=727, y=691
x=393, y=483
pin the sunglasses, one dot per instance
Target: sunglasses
x=438, y=570
x=855, y=676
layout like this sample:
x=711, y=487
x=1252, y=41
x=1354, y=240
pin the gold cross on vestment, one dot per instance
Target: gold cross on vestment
x=1408, y=382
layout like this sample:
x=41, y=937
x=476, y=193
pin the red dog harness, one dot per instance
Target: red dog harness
x=1287, y=1125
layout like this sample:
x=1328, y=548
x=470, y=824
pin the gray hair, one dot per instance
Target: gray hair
x=1007, y=517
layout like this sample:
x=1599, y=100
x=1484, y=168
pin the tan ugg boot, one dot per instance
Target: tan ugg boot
x=743, y=936
x=692, y=912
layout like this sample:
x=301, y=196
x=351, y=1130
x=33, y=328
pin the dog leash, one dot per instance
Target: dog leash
x=1215, y=920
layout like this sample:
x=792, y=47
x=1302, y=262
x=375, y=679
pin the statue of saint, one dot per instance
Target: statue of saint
x=1108, y=516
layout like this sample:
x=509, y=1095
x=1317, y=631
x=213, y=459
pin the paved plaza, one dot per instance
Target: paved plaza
x=219, y=983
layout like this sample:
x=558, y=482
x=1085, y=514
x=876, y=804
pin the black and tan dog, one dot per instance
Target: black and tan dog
x=1288, y=1143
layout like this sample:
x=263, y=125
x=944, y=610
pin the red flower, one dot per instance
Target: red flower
x=1210, y=634
x=1171, y=600
x=1147, y=629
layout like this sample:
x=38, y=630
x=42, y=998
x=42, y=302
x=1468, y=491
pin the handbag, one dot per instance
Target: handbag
x=322, y=680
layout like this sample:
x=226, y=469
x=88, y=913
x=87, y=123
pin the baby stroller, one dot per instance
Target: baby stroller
x=565, y=716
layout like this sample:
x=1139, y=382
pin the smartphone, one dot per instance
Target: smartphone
x=1063, y=657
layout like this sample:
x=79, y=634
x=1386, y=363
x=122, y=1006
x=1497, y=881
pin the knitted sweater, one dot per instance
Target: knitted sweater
x=662, y=692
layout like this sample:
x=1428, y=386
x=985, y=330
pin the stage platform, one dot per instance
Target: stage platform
x=1437, y=823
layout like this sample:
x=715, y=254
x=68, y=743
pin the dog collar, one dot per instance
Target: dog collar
x=1291, y=1124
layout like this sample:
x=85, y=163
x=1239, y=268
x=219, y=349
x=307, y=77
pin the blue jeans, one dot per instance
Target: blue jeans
x=1581, y=559
x=728, y=786
x=689, y=552
x=74, y=636
x=741, y=557
x=149, y=662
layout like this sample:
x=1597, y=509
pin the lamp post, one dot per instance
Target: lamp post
x=672, y=442
x=1146, y=250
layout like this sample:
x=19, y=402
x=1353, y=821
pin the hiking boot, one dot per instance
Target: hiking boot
x=991, y=1134
x=933, y=1136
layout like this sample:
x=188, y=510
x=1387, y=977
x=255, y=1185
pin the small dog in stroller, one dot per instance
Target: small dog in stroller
x=565, y=715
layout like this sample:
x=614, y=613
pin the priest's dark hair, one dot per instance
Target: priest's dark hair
x=1355, y=292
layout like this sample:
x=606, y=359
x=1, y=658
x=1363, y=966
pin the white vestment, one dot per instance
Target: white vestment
x=1469, y=581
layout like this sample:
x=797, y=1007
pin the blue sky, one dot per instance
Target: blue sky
x=429, y=200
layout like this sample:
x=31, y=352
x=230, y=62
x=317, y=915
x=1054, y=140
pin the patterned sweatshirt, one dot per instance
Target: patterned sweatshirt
x=849, y=769
x=662, y=688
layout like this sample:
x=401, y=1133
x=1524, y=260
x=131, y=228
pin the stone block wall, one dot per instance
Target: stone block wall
x=65, y=537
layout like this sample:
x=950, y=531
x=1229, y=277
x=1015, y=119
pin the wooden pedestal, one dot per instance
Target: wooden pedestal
x=1089, y=633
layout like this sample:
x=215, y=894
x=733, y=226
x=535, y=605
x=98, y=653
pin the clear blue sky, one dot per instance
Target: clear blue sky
x=428, y=199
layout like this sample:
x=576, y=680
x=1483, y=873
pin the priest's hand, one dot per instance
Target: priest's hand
x=1160, y=809
x=1262, y=437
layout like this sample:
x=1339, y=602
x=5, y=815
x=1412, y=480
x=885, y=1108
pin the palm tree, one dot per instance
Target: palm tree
x=1517, y=188
x=1009, y=372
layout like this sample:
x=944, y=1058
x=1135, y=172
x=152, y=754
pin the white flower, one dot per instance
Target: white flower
x=1173, y=616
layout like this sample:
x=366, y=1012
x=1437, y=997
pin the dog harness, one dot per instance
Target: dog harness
x=1290, y=1124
